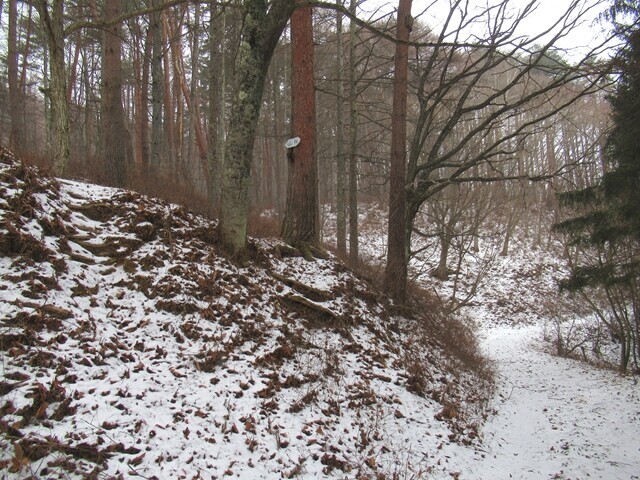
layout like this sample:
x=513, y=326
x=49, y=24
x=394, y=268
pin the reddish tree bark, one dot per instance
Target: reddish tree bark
x=300, y=226
x=395, y=275
x=341, y=180
x=142, y=63
x=169, y=113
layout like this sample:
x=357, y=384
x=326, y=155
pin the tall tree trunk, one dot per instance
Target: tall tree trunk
x=16, y=103
x=395, y=275
x=169, y=114
x=73, y=74
x=276, y=174
x=30, y=134
x=144, y=100
x=341, y=224
x=512, y=221
x=157, y=91
x=260, y=34
x=446, y=237
x=51, y=19
x=89, y=114
x=194, y=120
x=46, y=85
x=26, y=51
x=300, y=226
x=190, y=94
x=217, y=92
x=182, y=89
x=173, y=40
x=353, y=140
x=116, y=144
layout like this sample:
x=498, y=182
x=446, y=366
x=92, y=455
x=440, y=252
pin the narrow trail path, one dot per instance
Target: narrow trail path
x=555, y=418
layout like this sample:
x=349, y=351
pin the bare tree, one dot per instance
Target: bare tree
x=155, y=31
x=116, y=145
x=476, y=105
x=52, y=21
x=353, y=140
x=217, y=92
x=16, y=100
x=395, y=276
x=341, y=225
x=261, y=30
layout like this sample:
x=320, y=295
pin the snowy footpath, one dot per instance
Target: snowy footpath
x=555, y=418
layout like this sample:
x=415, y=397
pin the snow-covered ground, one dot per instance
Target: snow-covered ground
x=130, y=349
x=555, y=418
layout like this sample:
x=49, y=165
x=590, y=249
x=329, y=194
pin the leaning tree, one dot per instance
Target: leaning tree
x=263, y=23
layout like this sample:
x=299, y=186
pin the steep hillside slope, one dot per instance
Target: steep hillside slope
x=129, y=347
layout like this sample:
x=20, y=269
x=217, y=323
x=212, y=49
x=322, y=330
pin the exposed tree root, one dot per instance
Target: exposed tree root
x=54, y=310
x=306, y=290
x=321, y=309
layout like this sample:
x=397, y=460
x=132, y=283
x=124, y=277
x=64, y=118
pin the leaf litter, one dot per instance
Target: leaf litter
x=551, y=417
x=130, y=348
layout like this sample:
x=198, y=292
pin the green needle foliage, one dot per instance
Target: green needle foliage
x=604, y=234
x=609, y=212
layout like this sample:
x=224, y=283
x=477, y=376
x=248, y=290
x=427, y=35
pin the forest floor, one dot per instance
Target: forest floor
x=130, y=349
x=553, y=417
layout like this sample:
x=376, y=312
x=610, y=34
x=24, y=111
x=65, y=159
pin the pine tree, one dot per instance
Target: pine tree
x=620, y=184
x=611, y=208
x=300, y=227
x=395, y=275
x=606, y=230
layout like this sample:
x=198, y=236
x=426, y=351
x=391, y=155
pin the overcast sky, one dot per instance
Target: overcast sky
x=545, y=13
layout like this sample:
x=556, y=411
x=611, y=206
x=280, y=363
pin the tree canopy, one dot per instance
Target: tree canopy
x=604, y=235
x=610, y=209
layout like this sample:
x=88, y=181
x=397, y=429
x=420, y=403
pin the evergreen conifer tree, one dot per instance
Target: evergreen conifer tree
x=611, y=208
x=606, y=228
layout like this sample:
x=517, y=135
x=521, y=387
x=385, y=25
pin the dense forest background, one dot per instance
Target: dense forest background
x=475, y=172
x=518, y=104
x=462, y=133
